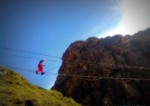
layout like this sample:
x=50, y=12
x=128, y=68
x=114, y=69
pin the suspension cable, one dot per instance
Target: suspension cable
x=84, y=77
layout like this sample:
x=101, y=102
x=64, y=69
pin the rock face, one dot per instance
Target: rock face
x=94, y=65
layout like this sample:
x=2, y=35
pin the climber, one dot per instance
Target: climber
x=40, y=67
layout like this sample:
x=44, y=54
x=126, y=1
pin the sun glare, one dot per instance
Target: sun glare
x=135, y=17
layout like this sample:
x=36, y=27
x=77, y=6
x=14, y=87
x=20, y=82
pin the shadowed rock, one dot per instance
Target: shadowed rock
x=116, y=57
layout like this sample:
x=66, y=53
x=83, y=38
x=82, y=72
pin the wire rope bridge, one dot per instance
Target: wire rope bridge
x=84, y=77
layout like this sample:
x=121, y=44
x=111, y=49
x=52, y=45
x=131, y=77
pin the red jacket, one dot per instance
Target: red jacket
x=40, y=66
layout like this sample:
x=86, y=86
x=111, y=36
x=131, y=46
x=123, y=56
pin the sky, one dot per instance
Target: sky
x=135, y=17
x=29, y=28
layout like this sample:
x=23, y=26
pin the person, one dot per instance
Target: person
x=40, y=67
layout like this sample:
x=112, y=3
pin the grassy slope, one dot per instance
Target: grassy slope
x=16, y=90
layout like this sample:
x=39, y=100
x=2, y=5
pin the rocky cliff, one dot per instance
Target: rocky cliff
x=107, y=71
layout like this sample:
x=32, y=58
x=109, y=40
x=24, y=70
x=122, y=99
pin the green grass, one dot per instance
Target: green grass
x=17, y=91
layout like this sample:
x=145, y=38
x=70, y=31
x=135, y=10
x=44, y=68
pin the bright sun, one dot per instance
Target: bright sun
x=135, y=17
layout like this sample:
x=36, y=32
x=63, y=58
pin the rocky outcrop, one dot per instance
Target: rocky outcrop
x=94, y=65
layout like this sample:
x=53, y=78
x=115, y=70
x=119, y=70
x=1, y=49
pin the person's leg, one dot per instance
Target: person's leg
x=42, y=72
x=38, y=70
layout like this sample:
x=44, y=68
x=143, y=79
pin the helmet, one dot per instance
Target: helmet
x=43, y=59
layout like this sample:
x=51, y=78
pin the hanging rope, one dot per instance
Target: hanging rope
x=25, y=51
x=75, y=75
x=84, y=77
x=114, y=66
x=27, y=57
